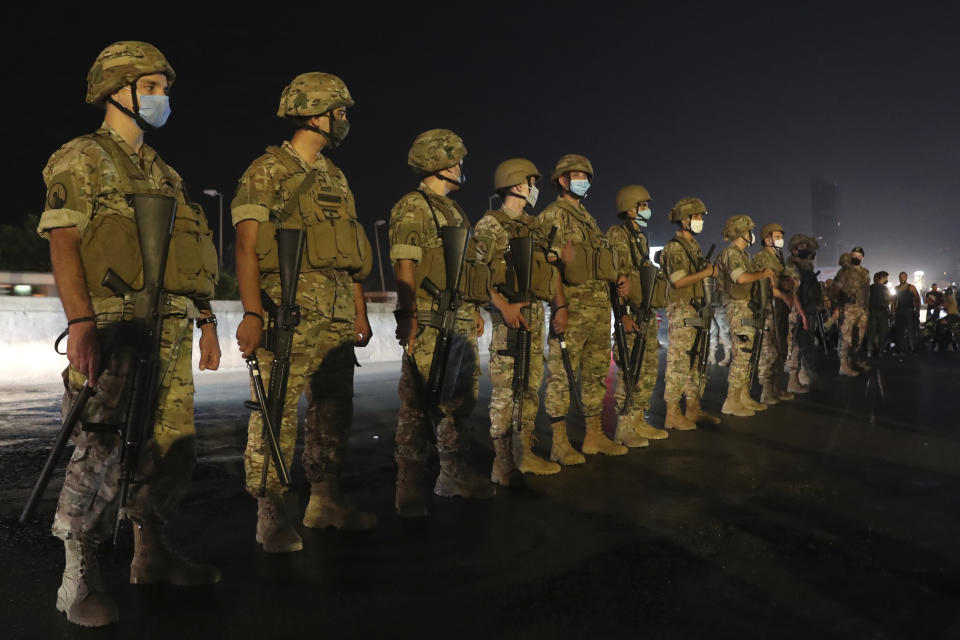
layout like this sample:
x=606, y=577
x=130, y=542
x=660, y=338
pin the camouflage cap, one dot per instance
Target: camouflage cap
x=314, y=93
x=572, y=162
x=736, y=226
x=120, y=64
x=770, y=228
x=436, y=150
x=845, y=260
x=512, y=172
x=630, y=195
x=687, y=207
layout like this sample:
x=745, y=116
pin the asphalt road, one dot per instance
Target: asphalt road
x=832, y=516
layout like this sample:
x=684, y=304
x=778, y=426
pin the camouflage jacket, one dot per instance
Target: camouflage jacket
x=681, y=257
x=852, y=285
x=733, y=263
x=574, y=224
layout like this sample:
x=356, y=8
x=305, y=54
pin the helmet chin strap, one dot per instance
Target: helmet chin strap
x=135, y=114
x=331, y=140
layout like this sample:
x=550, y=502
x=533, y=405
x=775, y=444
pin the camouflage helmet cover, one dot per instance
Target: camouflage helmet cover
x=687, y=207
x=845, y=260
x=736, y=226
x=120, y=64
x=512, y=172
x=312, y=94
x=572, y=162
x=798, y=239
x=436, y=150
x=629, y=196
x=769, y=228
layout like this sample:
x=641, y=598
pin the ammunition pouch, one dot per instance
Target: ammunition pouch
x=476, y=282
x=591, y=263
x=543, y=280
x=431, y=266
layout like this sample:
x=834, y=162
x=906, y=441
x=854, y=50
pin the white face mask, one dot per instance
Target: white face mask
x=778, y=243
x=696, y=226
x=533, y=195
x=750, y=239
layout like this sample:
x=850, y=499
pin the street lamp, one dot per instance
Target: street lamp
x=213, y=193
x=376, y=235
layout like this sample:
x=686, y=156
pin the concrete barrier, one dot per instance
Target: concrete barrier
x=29, y=326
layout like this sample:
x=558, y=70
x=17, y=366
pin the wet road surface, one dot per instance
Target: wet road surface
x=832, y=516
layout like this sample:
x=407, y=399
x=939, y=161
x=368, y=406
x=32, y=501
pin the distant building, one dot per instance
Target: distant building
x=826, y=220
x=26, y=283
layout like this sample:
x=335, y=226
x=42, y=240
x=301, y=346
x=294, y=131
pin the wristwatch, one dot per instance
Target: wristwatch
x=202, y=321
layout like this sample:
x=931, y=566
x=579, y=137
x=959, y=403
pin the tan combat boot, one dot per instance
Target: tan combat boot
x=769, y=394
x=328, y=508
x=526, y=460
x=695, y=413
x=794, y=385
x=782, y=394
x=596, y=441
x=732, y=405
x=675, y=418
x=747, y=401
x=647, y=430
x=504, y=470
x=410, y=501
x=274, y=530
x=457, y=480
x=155, y=561
x=846, y=369
x=627, y=433
x=81, y=595
x=562, y=451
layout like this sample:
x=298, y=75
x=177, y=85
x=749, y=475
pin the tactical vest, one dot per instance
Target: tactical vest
x=476, y=280
x=694, y=292
x=811, y=291
x=733, y=290
x=905, y=301
x=542, y=276
x=594, y=259
x=326, y=211
x=110, y=240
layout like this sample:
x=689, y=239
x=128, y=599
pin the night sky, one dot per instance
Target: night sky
x=740, y=106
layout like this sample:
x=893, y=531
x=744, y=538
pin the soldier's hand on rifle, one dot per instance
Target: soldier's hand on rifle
x=209, y=348
x=710, y=271
x=249, y=334
x=362, y=331
x=478, y=321
x=83, y=350
x=558, y=320
x=623, y=286
x=512, y=313
x=407, y=332
x=629, y=325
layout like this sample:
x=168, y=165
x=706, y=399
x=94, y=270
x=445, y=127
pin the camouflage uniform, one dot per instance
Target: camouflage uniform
x=853, y=286
x=678, y=262
x=415, y=223
x=633, y=252
x=88, y=181
x=322, y=359
x=587, y=333
x=733, y=263
x=773, y=352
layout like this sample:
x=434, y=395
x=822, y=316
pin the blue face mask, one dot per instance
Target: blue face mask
x=154, y=109
x=644, y=214
x=579, y=187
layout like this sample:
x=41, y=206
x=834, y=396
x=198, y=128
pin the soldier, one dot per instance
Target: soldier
x=737, y=273
x=906, y=315
x=878, y=322
x=852, y=288
x=417, y=252
x=90, y=223
x=633, y=252
x=810, y=293
x=296, y=186
x=784, y=304
x=515, y=182
x=684, y=265
x=587, y=264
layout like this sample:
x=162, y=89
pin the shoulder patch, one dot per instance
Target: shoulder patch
x=64, y=192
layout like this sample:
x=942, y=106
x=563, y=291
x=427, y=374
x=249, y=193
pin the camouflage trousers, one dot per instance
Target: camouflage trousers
x=501, y=374
x=321, y=364
x=457, y=400
x=773, y=352
x=647, y=378
x=743, y=333
x=802, y=341
x=680, y=379
x=588, y=342
x=854, y=317
x=88, y=503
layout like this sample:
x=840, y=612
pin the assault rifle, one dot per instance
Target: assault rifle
x=283, y=321
x=761, y=308
x=648, y=278
x=701, y=343
x=521, y=259
x=620, y=339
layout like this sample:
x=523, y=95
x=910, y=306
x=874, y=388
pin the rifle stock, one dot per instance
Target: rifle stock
x=521, y=254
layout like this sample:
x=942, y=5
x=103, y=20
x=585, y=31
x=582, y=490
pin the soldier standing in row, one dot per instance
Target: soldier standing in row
x=810, y=293
x=296, y=186
x=416, y=250
x=685, y=267
x=633, y=252
x=91, y=226
x=852, y=288
x=587, y=265
x=737, y=274
x=514, y=181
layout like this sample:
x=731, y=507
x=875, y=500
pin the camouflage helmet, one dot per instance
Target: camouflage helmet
x=736, y=226
x=572, y=162
x=436, y=150
x=687, y=207
x=629, y=196
x=798, y=239
x=512, y=172
x=312, y=94
x=770, y=228
x=120, y=64
x=845, y=260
